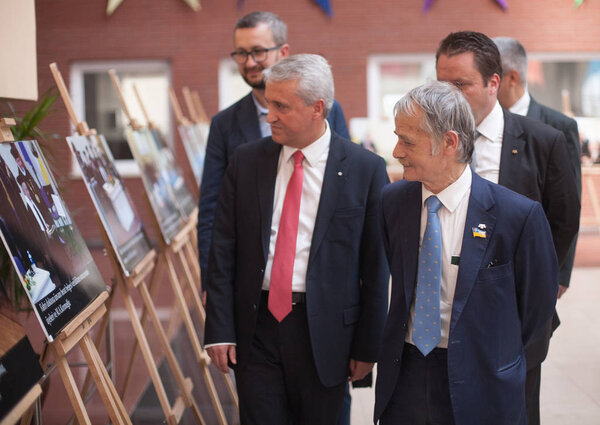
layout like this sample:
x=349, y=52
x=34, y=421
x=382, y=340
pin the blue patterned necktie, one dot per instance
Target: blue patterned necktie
x=426, y=328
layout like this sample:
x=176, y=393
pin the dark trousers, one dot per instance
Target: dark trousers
x=280, y=385
x=532, y=394
x=422, y=395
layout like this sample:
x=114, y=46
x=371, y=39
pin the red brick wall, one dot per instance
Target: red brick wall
x=193, y=43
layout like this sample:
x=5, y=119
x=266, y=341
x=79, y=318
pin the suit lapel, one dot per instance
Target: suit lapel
x=333, y=183
x=512, y=151
x=473, y=248
x=266, y=168
x=247, y=117
x=410, y=232
x=534, y=111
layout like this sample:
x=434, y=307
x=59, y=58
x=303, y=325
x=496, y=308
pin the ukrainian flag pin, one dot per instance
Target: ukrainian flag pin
x=478, y=233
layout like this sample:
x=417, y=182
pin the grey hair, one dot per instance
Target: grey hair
x=513, y=56
x=444, y=109
x=313, y=73
x=254, y=19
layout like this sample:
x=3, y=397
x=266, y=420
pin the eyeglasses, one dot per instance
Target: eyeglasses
x=258, y=54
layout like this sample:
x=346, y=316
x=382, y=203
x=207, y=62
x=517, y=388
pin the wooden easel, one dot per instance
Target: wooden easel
x=76, y=333
x=180, y=248
x=137, y=280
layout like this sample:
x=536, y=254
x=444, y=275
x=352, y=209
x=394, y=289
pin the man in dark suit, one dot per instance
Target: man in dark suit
x=297, y=277
x=474, y=276
x=519, y=153
x=259, y=41
x=513, y=95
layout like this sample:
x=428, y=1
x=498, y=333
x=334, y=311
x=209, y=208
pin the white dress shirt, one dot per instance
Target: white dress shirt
x=453, y=215
x=521, y=106
x=488, y=146
x=315, y=159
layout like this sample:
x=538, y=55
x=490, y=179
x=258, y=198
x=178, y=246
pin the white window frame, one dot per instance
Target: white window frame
x=125, y=167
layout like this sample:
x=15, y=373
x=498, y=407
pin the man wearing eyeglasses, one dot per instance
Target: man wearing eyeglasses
x=260, y=41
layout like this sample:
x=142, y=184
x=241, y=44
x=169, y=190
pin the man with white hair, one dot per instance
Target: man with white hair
x=474, y=276
x=297, y=277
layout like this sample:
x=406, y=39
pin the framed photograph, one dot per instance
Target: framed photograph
x=20, y=369
x=47, y=250
x=194, y=137
x=156, y=182
x=115, y=208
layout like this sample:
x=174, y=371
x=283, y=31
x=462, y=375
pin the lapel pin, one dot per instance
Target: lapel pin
x=481, y=226
x=478, y=233
x=339, y=173
x=514, y=151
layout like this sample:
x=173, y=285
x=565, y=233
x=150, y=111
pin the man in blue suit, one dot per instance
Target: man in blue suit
x=474, y=276
x=297, y=277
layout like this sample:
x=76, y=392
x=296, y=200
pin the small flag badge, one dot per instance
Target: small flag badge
x=478, y=233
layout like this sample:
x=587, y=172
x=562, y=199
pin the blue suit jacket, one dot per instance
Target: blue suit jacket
x=496, y=310
x=229, y=129
x=347, y=275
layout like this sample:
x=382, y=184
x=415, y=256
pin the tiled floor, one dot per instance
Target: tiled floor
x=571, y=374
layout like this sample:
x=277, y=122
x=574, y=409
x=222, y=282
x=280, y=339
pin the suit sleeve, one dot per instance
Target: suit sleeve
x=559, y=199
x=337, y=121
x=536, y=274
x=220, y=274
x=374, y=275
x=215, y=164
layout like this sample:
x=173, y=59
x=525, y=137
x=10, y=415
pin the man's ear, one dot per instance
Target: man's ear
x=450, y=143
x=318, y=108
x=494, y=84
x=284, y=50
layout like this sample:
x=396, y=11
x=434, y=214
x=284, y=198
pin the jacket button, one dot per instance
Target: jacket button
x=396, y=362
x=403, y=325
x=262, y=270
x=254, y=307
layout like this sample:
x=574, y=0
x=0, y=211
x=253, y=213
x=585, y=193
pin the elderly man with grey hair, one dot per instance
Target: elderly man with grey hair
x=297, y=277
x=474, y=276
x=514, y=96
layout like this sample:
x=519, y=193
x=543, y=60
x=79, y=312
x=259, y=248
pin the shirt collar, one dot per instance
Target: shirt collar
x=259, y=108
x=493, y=124
x=521, y=106
x=312, y=153
x=451, y=196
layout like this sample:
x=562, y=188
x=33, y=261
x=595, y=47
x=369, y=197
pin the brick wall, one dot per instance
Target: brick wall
x=193, y=43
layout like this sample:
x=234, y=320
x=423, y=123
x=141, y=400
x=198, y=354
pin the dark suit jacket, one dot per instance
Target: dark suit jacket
x=568, y=126
x=532, y=163
x=347, y=275
x=496, y=310
x=229, y=129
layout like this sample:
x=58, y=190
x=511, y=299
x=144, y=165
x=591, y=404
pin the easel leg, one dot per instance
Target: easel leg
x=202, y=357
x=109, y=395
x=72, y=391
x=184, y=389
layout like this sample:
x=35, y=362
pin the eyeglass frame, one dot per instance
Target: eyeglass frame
x=252, y=53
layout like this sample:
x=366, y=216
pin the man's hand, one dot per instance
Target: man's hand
x=219, y=354
x=561, y=290
x=358, y=369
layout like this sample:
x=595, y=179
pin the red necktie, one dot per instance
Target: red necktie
x=280, y=291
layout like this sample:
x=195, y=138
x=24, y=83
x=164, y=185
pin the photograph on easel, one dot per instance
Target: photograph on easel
x=113, y=203
x=20, y=369
x=194, y=137
x=163, y=155
x=47, y=250
x=156, y=183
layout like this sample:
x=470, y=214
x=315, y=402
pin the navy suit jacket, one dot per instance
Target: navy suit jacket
x=229, y=129
x=347, y=275
x=496, y=310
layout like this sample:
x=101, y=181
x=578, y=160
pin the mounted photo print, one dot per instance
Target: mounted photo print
x=20, y=368
x=183, y=198
x=115, y=208
x=156, y=182
x=48, y=252
x=194, y=137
